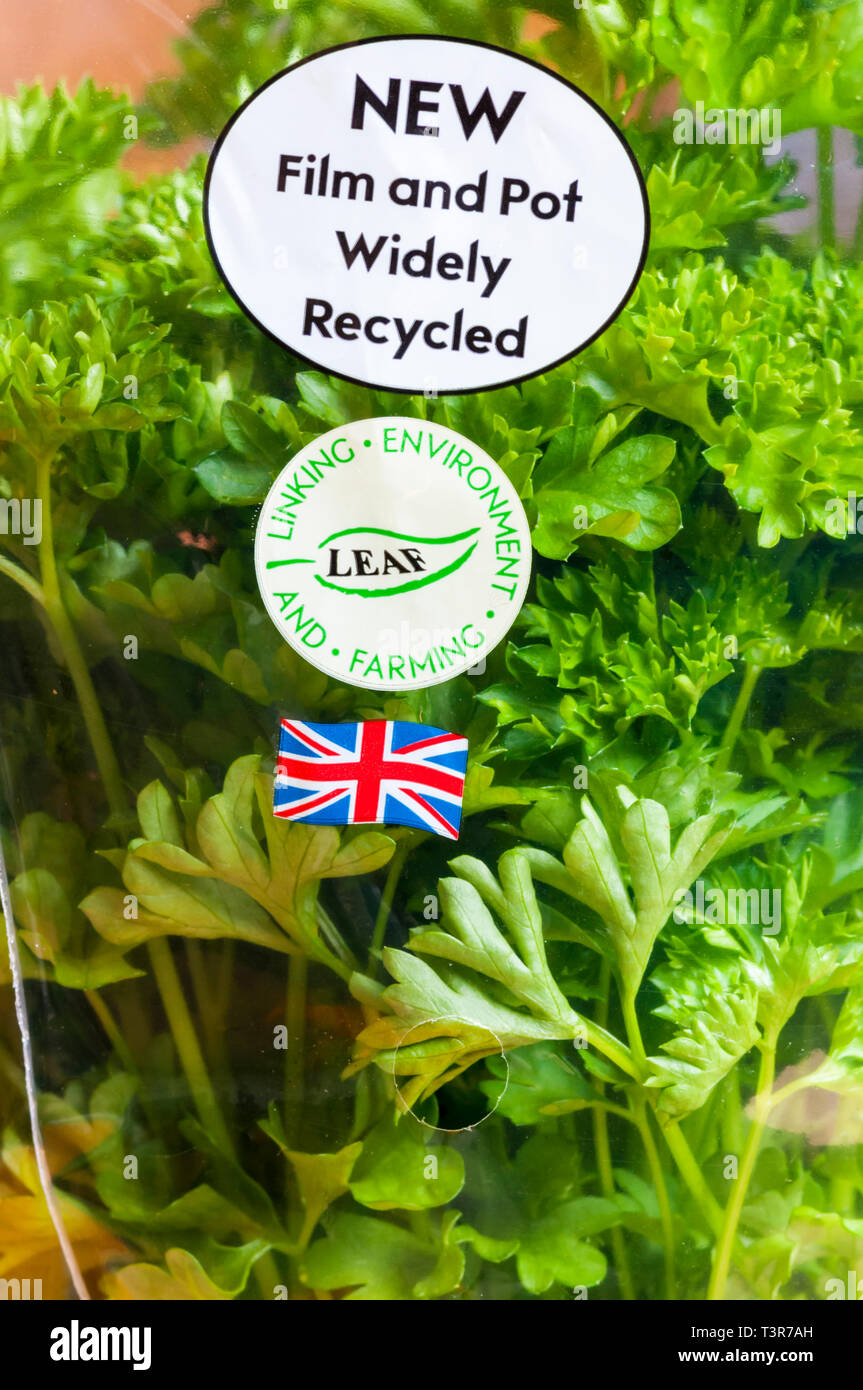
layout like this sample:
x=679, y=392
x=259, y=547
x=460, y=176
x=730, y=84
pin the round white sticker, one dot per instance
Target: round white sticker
x=426, y=214
x=393, y=554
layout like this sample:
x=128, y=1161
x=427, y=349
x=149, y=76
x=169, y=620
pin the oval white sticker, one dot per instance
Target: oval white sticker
x=426, y=214
x=393, y=554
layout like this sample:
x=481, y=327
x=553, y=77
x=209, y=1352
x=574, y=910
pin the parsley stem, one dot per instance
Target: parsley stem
x=211, y=1001
x=606, y=1182
x=725, y=1247
x=109, y=1025
x=188, y=1046
x=609, y=1046
x=23, y=579
x=654, y=1163
x=332, y=946
x=295, y=1018
x=738, y=714
x=362, y=1106
x=603, y=1155
x=386, y=904
x=680, y=1150
x=732, y=1115
x=801, y=1083
x=639, y=1108
x=692, y=1175
x=91, y=710
x=12, y=1071
x=633, y=1031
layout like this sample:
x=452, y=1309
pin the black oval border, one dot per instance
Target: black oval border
x=427, y=38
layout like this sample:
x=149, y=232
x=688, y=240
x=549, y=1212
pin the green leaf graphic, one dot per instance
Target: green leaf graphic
x=401, y=557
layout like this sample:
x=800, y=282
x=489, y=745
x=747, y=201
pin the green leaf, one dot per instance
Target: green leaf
x=607, y=636
x=551, y=1251
x=612, y=494
x=552, y=820
x=230, y=1179
x=398, y=1170
x=43, y=910
x=330, y=400
x=535, y=1082
x=719, y=1028
x=176, y=905
x=56, y=934
x=321, y=1178
x=434, y=1022
x=184, y=1280
x=656, y=873
x=842, y=1068
x=158, y=815
x=487, y=1247
x=253, y=877
x=58, y=190
x=233, y=481
x=375, y=1259
x=481, y=793
x=251, y=437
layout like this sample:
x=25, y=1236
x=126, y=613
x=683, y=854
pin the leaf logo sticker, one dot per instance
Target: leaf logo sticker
x=376, y=563
x=341, y=525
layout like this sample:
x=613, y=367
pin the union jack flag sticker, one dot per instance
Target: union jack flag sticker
x=383, y=772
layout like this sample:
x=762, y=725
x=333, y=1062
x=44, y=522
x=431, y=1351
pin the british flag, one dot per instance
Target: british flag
x=384, y=772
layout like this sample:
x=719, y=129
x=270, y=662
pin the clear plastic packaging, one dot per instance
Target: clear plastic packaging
x=606, y=1047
